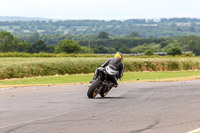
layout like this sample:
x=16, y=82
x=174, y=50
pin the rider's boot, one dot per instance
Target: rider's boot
x=115, y=84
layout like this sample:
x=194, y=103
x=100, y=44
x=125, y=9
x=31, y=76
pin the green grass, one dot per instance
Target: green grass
x=85, y=78
x=133, y=76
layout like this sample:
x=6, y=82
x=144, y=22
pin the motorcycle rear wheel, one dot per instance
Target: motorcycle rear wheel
x=103, y=94
x=93, y=89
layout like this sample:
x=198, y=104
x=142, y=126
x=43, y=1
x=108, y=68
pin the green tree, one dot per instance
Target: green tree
x=190, y=43
x=50, y=48
x=171, y=45
x=39, y=46
x=8, y=42
x=163, y=44
x=1, y=48
x=124, y=49
x=148, y=52
x=68, y=46
x=103, y=35
x=174, y=51
x=111, y=50
x=101, y=49
x=23, y=46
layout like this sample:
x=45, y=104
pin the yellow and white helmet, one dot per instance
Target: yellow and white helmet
x=118, y=54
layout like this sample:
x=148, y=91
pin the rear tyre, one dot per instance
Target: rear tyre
x=104, y=93
x=93, y=89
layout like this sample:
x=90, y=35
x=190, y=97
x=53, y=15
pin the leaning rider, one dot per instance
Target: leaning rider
x=115, y=64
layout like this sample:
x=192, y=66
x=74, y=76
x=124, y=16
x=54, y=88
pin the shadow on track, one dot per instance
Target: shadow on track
x=110, y=98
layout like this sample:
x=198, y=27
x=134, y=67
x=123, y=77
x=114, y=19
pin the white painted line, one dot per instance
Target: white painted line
x=195, y=131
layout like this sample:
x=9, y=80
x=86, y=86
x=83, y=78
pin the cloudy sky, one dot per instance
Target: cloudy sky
x=101, y=9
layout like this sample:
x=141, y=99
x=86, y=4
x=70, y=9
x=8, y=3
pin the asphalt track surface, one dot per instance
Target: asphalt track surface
x=154, y=107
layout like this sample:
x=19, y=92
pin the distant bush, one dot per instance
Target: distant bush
x=68, y=46
x=148, y=52
x=174, y=51
x=187, y=55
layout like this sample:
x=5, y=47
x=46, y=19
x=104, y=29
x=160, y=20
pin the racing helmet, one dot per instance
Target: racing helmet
x=118, y=54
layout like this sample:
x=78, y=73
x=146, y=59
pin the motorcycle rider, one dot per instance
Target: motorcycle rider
x=112, y=65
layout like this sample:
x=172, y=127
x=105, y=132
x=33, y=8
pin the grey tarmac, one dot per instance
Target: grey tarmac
x=149, y=107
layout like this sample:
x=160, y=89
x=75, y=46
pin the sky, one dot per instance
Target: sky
x=101, y=9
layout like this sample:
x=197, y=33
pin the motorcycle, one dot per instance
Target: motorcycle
x=102, y=85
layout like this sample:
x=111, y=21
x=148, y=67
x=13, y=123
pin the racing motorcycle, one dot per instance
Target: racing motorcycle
x=102, y=85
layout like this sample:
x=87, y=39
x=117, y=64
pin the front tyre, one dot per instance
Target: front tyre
x=94, y=89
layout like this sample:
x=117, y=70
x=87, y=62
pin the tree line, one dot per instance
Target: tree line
x=10, y=43
x=157, y=28
x=102, y=42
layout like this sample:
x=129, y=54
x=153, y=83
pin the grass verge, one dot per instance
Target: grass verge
x=85, y=78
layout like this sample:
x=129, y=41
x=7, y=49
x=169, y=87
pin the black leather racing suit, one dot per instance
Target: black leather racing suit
x=116, y=62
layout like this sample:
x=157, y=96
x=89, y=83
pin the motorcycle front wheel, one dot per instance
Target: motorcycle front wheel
x=94, y=89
